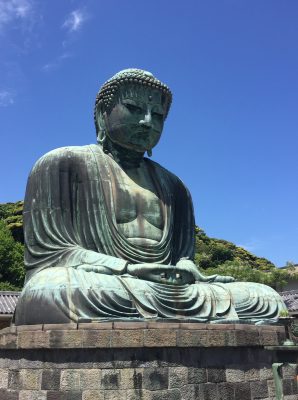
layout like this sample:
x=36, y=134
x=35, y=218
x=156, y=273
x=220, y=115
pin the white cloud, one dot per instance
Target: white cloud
x=12, y=10
x=6, y=98
x=74, y=20
x=53, y=65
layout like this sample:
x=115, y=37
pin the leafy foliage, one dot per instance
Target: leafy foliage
x=12, y=271
x=12, y=215
x=221, y=257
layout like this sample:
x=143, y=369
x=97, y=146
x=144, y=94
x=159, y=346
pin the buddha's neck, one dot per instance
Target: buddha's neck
x=125, y=157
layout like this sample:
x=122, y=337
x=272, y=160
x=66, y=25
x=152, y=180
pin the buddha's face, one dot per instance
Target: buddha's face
x=136, y=120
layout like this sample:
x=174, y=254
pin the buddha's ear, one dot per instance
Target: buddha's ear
x=101, y=126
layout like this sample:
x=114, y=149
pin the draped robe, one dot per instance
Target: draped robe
x=69, y=220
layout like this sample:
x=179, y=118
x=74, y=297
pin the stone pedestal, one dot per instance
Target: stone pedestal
x=137, y=360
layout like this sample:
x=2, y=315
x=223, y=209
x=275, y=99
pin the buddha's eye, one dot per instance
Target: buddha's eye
x=133, y=108
x=157, y=115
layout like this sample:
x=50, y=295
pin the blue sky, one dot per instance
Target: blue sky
x=231, y=134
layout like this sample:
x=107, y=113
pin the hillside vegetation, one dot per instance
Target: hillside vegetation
x=214, y=256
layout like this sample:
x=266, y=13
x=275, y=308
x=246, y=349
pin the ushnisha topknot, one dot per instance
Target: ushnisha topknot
x=107, y=93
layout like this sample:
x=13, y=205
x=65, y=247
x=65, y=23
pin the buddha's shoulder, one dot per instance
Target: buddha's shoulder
x=68, y=154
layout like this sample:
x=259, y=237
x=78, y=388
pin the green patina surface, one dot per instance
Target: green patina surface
x=110, y=233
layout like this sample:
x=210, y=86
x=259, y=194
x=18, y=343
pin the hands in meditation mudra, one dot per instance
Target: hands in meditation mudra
x=109, y=234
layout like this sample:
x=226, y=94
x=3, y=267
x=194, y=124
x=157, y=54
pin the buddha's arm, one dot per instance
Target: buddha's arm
x=64, y=222
x=91, y=261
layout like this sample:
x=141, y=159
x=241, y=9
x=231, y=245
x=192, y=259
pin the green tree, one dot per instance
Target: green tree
x=12, y=270
x=217, y=256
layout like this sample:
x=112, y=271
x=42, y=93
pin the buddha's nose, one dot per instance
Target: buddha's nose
x=147, y=120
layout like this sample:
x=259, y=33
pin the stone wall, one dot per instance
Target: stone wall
x=149, y=361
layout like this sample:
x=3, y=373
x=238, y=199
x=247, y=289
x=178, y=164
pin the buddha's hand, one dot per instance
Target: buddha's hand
x=90, y=261
x=199, y=277
x=159, y=273
x=99, y=269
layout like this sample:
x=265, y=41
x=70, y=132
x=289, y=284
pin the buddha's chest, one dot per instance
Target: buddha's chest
x=137, y=205
x=136, y=200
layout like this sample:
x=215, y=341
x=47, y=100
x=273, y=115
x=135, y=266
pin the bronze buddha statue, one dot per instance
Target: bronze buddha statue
x=109, y=234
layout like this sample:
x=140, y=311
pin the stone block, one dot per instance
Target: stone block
x=247, y=327
x=226, y=391
x=50, y=379
x=33, y=339
x=220, y=327
x=289, y=386
x=3, y=378
x=96, y=338
x=93, y=395
x=125, y=338
x=7, y=362
x=216, y=338
x=192, y=338
x=8, y=341
x=115, y=395
x=268, y=338
x=242, y=391
x=70, y=380
x=189, y=392
x=33, y=395
x=259, y=389
x=197, y=375
x=171, y=394
x=247, y=338
x=266, y=373
x=55, y=395
x=159, y=338
x=178, y=377
x=110, y=379
x=9, y=394
x=6, y=330
x=60, y=327
x=131, y=378
x=216, y=375
x=252, y=374
x=138, y=394
x=22, y=328
x=96, y=325
x=208, y=391
x=271, y=388
x=66, y=339
x=289, y=370
x=235, y=375
x=156, y=378
x=90, y=379
x=25, y=379
x=163, y=325
x=130, y=325
x=193, y=326
x=231, y=338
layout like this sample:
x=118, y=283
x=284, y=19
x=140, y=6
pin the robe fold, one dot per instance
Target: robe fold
x=69, y=222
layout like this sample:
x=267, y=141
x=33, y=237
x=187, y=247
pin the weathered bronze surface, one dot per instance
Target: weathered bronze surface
x=109, y=234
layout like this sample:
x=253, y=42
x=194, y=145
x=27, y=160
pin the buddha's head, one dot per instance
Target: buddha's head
x=130, y=110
